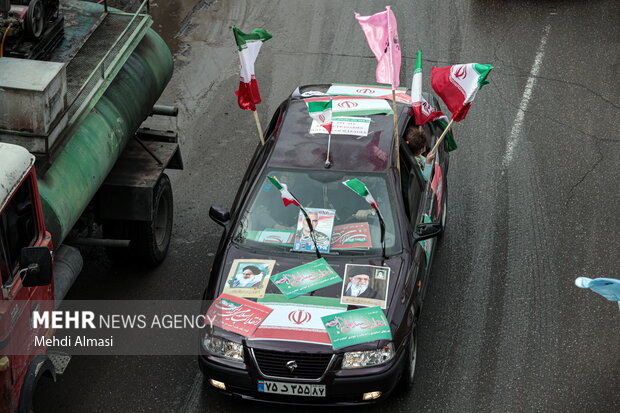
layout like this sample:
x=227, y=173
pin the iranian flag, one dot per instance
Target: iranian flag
x=360, y=188
x=249, y=45
x=422, y=110
x=321, y=112
x=457, y=86
x=287, y=197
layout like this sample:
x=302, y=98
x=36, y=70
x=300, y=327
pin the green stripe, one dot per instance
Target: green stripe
x=318, y=301
x=275, y=183
x=483, y=72
x=319, y=106
x=256, y=35
x=418, y=63
x=357, y=186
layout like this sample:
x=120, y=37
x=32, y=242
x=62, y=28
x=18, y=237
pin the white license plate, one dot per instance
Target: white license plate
x=293, y=389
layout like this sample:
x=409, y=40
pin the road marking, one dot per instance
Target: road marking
x=513, y=139
x=193, y=397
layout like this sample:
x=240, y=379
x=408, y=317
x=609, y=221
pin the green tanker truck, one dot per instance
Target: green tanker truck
x=76, y=168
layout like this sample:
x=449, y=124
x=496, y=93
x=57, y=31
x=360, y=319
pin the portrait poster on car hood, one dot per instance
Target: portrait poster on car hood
x=365, y=285
x=305, y=278
x=237, y=314
x=357, y=326
x=322, y=222
x=297, y=319
x=248, y=277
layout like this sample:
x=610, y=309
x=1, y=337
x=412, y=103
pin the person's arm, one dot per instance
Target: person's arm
x=428, y=166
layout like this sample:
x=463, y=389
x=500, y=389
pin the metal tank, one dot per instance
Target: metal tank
x=93, y=148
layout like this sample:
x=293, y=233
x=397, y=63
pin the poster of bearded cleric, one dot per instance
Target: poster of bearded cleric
x=365, y=285
x=249, y=278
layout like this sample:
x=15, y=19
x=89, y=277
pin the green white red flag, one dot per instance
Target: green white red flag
x=321, y=112
x=287, y=197
x=382, y=36
x=360, y=188
x=457, y=86
x=422, y=110
x=249, y=45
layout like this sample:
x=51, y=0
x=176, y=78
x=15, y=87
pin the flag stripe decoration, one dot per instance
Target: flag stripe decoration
x=321, y=112
x=457, y=86
x=382, y=36
x=287, y=197
x=249, y=45
x=360, y=188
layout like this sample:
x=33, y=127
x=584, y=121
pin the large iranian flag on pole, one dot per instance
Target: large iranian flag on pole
x=457, y=86
x=249, y=45
x=287, y=197
x=321, y=112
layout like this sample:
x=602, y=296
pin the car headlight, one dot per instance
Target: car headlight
x=358, y=359
x=221, y=347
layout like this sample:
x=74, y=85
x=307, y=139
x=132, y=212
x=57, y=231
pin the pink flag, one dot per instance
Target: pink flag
x=382, y=36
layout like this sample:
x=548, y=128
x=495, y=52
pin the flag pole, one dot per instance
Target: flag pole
x=443, y=135
x=391, y=45
x=396, y=131
x=329, y=141
x=260, y=129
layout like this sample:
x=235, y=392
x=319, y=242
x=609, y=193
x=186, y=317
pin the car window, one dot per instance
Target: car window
x=18, y=229
x=411, y=178
x=355, y=229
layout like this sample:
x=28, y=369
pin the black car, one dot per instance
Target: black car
x=287, y=370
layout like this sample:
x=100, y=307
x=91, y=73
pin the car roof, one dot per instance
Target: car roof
x=295, y=147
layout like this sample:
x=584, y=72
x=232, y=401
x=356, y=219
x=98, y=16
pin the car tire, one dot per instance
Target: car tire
x=407, y=378
x=151, y=239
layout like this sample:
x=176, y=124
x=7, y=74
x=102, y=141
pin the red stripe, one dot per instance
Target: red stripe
x=244, y=97
x=288, y=202
x=297, y=335
x=452, y=96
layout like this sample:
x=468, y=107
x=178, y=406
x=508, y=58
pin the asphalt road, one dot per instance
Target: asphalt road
x=534, y=196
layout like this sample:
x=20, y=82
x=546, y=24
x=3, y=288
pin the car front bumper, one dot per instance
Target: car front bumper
x=343, y=387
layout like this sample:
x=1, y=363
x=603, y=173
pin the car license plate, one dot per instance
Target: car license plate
x=293, y=389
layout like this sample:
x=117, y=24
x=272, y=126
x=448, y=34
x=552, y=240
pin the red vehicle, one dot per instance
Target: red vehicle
x=73, y=159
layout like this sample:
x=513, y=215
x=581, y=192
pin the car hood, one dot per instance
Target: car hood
x=338, y=263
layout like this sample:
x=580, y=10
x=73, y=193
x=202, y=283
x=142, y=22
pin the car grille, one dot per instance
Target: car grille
x=309, y=366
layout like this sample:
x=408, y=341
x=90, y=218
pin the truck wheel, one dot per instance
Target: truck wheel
x=152, y=238
x=38, y=367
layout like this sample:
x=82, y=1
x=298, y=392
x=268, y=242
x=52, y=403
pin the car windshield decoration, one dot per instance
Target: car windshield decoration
x=351, y=225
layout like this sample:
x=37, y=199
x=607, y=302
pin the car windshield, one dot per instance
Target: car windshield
x=343, y=221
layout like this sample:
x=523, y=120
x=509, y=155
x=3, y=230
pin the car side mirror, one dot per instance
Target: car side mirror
x=220, y=215
x=35, y=265
x=427, y=230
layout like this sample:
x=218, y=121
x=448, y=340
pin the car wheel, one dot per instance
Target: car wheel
x=406, y=381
